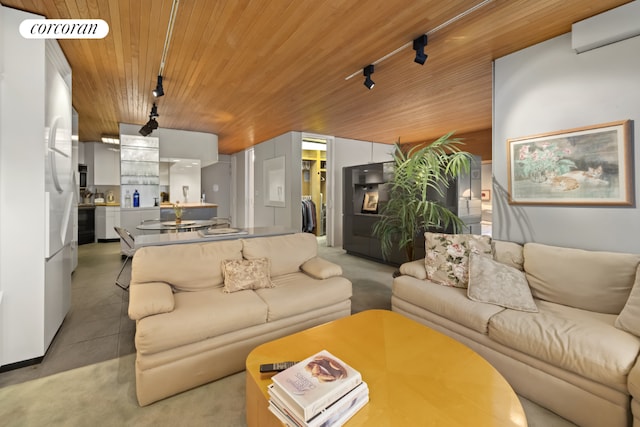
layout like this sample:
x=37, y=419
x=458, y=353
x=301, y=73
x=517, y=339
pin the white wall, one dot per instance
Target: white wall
x=289, y=146
x=216, y=185
x=22, y=105
x=186, y=172
x=548, y=87
x=181, y=144
x=22, y=180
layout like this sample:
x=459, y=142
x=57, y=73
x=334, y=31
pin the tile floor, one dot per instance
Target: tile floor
x=97, y=327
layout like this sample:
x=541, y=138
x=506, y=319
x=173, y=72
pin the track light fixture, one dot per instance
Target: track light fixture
x=159, y=90
x=418, y=46
x=367, y=71
x=154, y=111
x=152, y=124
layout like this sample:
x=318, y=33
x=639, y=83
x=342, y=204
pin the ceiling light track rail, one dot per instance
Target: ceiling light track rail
x=167, y=40
x=428, y=33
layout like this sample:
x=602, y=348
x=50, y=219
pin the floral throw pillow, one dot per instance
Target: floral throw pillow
x=492, y=282
x=447, y=256
x=242, y=274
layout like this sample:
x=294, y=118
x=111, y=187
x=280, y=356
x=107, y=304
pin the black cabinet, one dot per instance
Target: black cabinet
x=365, y=193
x=86, y=224
x=366, y=190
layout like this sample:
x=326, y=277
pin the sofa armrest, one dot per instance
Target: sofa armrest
x=147, y=299
x=320, y=268
x=415, y=269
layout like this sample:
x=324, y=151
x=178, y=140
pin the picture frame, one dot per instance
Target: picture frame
x=274, y=182
x=485, y=195
x=591, y=165
x=370, y=203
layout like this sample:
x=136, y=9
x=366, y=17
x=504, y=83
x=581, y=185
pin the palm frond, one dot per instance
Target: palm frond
x=419, y=172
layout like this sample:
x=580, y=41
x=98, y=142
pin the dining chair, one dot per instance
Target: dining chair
x=128, y=248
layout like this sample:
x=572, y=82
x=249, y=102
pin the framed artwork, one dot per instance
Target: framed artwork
x=274, y=182
x=370, y=204
x=584, y=166
x=485, y=195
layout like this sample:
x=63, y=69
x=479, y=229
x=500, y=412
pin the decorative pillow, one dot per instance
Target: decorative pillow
x=629, y=318
x=496, y=283
x=447, y=256
x=242, y=274
x=509, y=253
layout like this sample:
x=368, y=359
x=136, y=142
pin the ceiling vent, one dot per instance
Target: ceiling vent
x=609, y=27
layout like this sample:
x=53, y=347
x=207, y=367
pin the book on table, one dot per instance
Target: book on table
x=334, y=415
x=313, y=386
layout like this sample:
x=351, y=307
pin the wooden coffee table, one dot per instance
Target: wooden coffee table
x=416, y=376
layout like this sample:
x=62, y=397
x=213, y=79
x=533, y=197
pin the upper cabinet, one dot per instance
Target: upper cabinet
x=103, y=162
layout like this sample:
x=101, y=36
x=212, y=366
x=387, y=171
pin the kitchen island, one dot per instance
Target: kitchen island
x=199, y=237
x=189, y=211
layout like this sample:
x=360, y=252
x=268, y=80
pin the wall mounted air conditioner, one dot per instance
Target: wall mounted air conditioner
x=609, y=27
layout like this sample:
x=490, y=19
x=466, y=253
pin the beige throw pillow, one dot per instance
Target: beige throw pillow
x=495, y=283
x=242, y=274
x=447, y=256
x=629, y=318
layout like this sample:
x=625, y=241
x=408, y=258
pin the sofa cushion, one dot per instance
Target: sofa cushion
x=634, y=382
x=449, y=302
x=147, y=299
x=414, y=268
x=297, y=293
x=169, y=263
x=576, y=340
x=240, y=274
x=629, y=318
x=320, y=268
x=198, y=316
x=496, y=283
x=447, y=256
x=287, y=253
x=509, y=253
x=591, y=280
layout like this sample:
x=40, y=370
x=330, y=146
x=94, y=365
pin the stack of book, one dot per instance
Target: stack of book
x=320, y=391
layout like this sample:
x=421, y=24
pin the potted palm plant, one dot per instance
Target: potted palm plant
x=418, y=173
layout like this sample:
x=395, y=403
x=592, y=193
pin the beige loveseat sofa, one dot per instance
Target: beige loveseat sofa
x=574, y=351
x=190, y=330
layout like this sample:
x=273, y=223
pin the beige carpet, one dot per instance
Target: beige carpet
x=103, y=394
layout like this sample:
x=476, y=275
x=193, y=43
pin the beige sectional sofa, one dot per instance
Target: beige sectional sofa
x=191, y=330
x=575, y=351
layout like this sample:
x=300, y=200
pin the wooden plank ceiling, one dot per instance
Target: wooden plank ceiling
x=249, y=70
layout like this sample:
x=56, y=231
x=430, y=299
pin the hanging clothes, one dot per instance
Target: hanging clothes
x=309, y=220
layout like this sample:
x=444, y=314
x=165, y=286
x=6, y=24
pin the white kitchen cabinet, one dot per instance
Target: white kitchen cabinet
x=105, y=162
x=107, y=217
x=130, y=218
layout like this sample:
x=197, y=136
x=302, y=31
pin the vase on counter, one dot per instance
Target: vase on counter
x=177, y=209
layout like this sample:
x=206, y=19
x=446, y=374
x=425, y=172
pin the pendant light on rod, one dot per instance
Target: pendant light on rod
x=159, y=90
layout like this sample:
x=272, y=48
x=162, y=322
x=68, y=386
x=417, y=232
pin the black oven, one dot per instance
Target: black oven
x=82, y=170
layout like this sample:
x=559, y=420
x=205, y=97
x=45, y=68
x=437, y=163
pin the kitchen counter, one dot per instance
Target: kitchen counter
x=189, y=211
x=190, y=205
x=107, y=204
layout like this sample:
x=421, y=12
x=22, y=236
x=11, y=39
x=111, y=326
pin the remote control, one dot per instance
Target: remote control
x=276, y=367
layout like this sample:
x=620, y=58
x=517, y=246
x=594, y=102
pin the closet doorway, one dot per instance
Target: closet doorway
x=314, y=185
